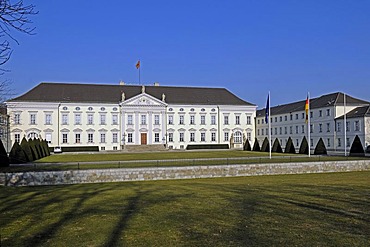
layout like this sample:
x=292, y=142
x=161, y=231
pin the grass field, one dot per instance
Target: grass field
x=291, y=210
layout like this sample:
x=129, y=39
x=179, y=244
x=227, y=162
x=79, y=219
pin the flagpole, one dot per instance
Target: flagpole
x=309, y=126
x=345, y=125
x=269, y=124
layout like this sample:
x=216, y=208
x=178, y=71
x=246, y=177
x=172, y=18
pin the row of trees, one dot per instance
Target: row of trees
x=27, y=151
x=320, y=149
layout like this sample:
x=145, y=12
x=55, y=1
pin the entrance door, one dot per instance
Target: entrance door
x=143, y=138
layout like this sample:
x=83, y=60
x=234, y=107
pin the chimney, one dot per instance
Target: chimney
x=121, y=83
x=156, y=84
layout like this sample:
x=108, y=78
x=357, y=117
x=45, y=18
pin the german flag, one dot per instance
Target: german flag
x=306, y=108
x=138, y=64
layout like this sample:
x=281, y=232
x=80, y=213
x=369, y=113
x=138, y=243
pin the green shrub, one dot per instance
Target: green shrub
x=25, y=145
x=256, y=146
x=265, y=145
x=276, y=148
x=320, y=148
x=207, y=146
x=4, y=160
x=303, y=149
x=247, y=146
x=47, y=149
x=289, y=147
x=357, y=148
x=17, y=155
x=35, y=152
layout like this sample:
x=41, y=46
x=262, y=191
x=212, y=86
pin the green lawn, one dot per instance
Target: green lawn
x=290, y=210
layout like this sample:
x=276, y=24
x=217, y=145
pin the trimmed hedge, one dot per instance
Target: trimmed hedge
x=25, y=145
x=289, y=147
x=17, y=155
x=320, y=148
x=303, y=149
x=265, y=145
x=357, y=148
x=276, y=148
x=4, y=160
x=256, y=146
x=207, y=146
x=247, y=146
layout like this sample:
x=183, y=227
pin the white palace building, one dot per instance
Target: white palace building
x=113, y=117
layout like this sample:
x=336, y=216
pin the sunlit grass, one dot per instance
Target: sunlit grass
x=290, y=210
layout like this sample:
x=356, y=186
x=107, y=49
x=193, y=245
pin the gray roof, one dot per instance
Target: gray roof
x=359, y=112
x=319, y=102
x=103, y=93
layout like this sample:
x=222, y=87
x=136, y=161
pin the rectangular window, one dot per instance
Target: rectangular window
x=102, y=119
x=237, y=120
x=303, y=115
x=339, y=127
x=320, y=128
x=275, y=131
x=297, y=142
x=258, y=132
x=357, y=125
x=90, y=118
x=285, y=130
x=296, y=129
x=114, y=119
x=77, y=118
x=302, y=129
x=64, y=138
x=327, y=127
x=170, y=119
x=347, y=126
x=181, y=137
x=202, y=120
x=226, y=136
x=249, y=136
x=129, y=138
x=213, y=136
x=339, y=142
x=17, y=137
x=280, y=130
x=328, y=142
x=102, y=137
x=156, y=119
x=291, y=117
x=226, y=120
x=90, y=138
x=248, y=120
x=48, y=137
x=258, y=121
x=156, y=137
x=192, y=137
x=286, y=118
x=129, y=120
x=48, y=118
x=143, y=119
x=181, y=119
x=320, y=113
x=311, y=114
x=64, y=118
x=202, y=137
x=78, y=138
x=311, y=128
x=262, y=132
x=281, y=118
x=33, y=118
x=263, y=121
x=17, y=118
x=275, y=120
x=348, y=143
x=192, y=119
x=291, y=129
x=328, y=112
x=311, y=142
x=213, y=120
x=115, y=137
x=170, y=137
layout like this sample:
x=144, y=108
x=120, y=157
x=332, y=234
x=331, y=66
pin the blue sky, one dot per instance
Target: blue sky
x=249, y=46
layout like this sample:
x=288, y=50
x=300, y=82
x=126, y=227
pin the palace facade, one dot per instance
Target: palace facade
x=112, y=117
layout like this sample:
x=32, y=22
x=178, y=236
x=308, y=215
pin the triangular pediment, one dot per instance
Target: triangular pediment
x=143, y=99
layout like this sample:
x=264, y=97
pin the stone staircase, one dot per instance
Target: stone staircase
x=144, y=148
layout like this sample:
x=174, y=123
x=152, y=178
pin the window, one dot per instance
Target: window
x=115, y=137
x=33, y=118
x=48, y=137
x=320, y=113
x=226, y=119
x=297, y=142
x=327, y=127
x=348, y=143
x=143, y=119
x=64, y=138
x=281, y=118
x=203, y=120
x=286, y=118
x=90, y=138
x=296, y=116
x=263, y=120
x=262, y=132
x=237, y=120
x=258, y=132
x=357, y=125
x=170, y=119
x=17, y=118
x=275, y=131
x=181, y=119
x=129, y=138
x=114, y=119
x=213, y=136
x=320, y=128
x=156, y=119
x=339, y=127
x=302, y=129
x=311, y=114
x=213, y=120
x=102, y=137
x=90, y=118
x=156, y=137
x=78, y=138
x=258, y=121
x=303, y=115
x=192, y=137
x=291, y=129
x=115, y=148
x=296, y=129
x=64, y=118
x=48, y=118
x=249, y=136
x=129, y=120
x=238, y=137
x=17, y=137
x=311, y=128
x=77, y=118
x=102, y=119
x=170, y=137
x=226, y=136
x=339, y=142
x=249, y=120
x=280, y=130
x=328, y=112
x=291, y=117
x=285, y=130
x=347, y=126
x=328, y=142
x=202, y=137
x=275, y=120
x=192, y=119
x=311, y=142
x=181, y=137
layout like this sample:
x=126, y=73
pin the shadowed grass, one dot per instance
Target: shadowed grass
x=291, y=210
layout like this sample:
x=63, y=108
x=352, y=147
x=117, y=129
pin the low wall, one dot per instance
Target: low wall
x=164, y=173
